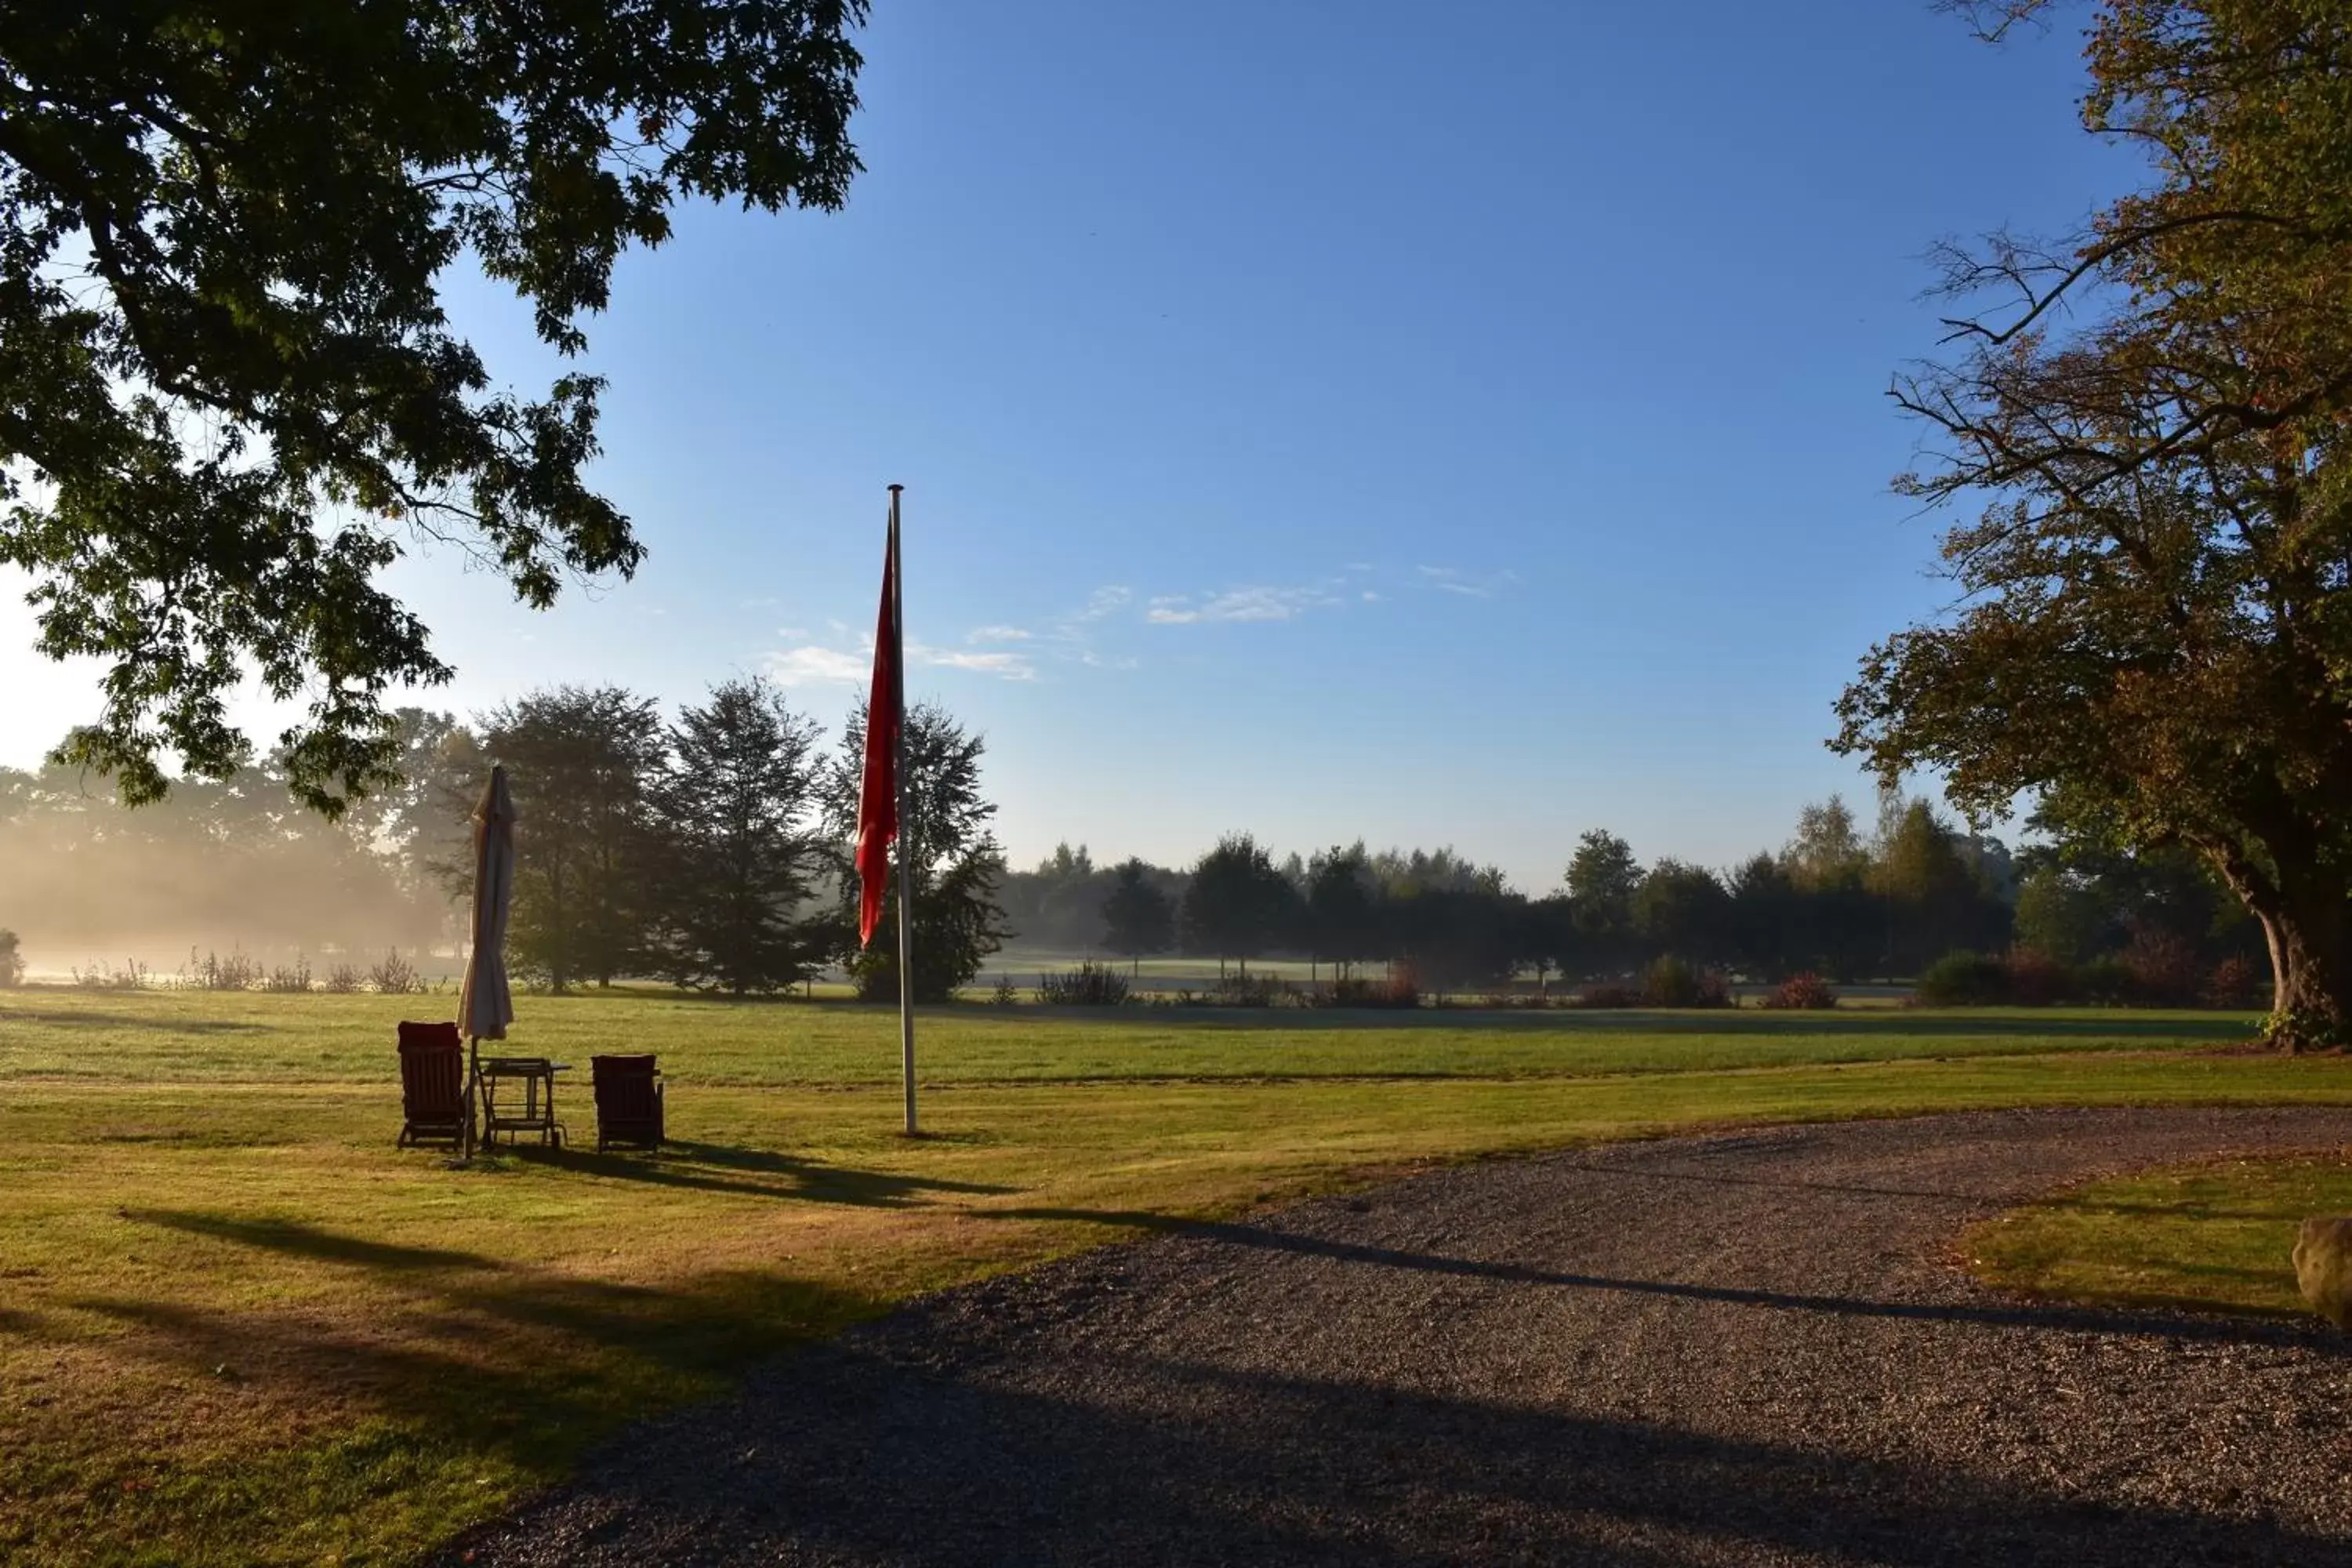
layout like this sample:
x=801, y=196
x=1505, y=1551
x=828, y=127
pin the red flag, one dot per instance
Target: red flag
x=877, y=794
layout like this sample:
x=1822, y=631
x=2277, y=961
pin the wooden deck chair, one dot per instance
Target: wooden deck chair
x=436, y=1104
x=628, y=1102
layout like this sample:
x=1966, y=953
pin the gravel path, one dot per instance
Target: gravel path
x=1731, y=1350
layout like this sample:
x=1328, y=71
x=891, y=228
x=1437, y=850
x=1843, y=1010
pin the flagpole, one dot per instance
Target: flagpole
x=906, y=824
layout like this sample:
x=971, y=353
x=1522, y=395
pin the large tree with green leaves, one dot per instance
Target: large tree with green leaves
x=582, y=761
x=1139, y=918
x=952, y=858
x=1238, y=904
x=2155, y=638
x=228, y=390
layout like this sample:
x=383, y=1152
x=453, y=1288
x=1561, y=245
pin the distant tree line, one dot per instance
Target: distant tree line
x=1836, y=900
x=709, y=849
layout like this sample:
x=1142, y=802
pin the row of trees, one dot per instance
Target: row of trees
x=711, y=851
x=1834, y=900
x=708, y=850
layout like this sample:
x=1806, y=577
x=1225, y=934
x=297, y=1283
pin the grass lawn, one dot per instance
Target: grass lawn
x=236, y=1326
x=2214, y=1235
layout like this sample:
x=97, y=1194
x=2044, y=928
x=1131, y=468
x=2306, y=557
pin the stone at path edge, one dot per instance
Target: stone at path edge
x=2323, y=1266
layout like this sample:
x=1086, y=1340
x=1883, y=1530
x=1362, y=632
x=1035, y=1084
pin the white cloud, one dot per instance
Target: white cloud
x=793, y=633
x=814, y=665
x=1370, y=597
x=996, y=634
x=1105, y=601
x=1468, y=585
x=1256, y=603
x=1005, y=666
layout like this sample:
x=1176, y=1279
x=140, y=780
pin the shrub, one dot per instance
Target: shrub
x=1248, y=991
x=2106, y=982
x=2238, y=983
x=12, y=963
x=289, y=980
x=342, y=980
x=1610, y=994
x=1965, y=979
x=1672, y=982
x=1364, y=991
x=1005, y=994
x=214, y=972
x=2036, y=979
x=396, y=976
x=1090, y=985
x=1806, y=991
x=133, y=975
x=2164, y=968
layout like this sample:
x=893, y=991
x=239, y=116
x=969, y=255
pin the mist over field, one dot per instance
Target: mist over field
x=215, y=868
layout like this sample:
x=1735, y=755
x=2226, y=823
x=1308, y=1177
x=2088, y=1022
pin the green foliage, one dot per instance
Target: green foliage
x=582, y=763
x=2155, y=645
x=1089, y=984
x=1674, y=982
x=1395, y=989
x=1965, y=979
x=733, y=806
x=12, y=962
x=221, y=334
x=1681, y=908
x=1343, y=911
x=1603, y=878
x=1237, y=905
x=1138, y=919
x=952, y=857
x=2061, y=915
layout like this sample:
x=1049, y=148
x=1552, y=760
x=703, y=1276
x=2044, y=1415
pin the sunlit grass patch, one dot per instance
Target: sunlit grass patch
x=2213, y=1236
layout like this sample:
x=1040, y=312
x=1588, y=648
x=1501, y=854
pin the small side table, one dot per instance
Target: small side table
x=534, y=1078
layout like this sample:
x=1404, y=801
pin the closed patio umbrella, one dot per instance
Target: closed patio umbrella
x=486, y=1006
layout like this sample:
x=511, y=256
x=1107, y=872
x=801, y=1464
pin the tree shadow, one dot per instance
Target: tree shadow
x=155, y=1023
x=485, y=1355
x=891, y=1447
x=756, y=1173
x=2059, y=1317
x=298, y=1239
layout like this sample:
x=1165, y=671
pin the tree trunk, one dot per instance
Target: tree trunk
x=2307, y=922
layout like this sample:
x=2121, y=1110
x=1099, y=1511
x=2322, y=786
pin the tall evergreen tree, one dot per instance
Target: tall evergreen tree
x=736, y=807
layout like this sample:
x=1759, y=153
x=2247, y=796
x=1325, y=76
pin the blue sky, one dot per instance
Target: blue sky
x=1431, y=424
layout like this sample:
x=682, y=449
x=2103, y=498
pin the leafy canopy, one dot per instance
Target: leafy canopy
x=226, y=382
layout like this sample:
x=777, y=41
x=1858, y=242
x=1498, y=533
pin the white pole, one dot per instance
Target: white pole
x=906, y=826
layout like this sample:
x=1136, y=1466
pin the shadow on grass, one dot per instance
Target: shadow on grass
x=161, y=1024
x=755, y=1173
x=298, y=1239
x=484, y=1355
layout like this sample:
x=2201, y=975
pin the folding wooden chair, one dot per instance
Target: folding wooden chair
x=628, y=1102
x=437, y=1104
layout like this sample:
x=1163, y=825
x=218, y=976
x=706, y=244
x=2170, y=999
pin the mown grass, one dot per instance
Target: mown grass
x=236, y=1326
x=2212, y=1235
x=195, y=1035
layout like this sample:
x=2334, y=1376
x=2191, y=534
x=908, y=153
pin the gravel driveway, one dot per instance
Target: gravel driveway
x=1730, y=1350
